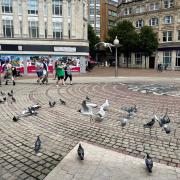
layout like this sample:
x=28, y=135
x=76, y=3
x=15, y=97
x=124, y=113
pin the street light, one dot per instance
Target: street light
x=116, y=45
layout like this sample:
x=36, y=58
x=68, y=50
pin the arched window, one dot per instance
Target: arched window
x=139, y=23
x=153, y=21
x=168, y=20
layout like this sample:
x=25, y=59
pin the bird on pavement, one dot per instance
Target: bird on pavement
x=150, y=124
x=37, y=145
x=62, y=102
x=105, y=106
x=124, y=122
x=166, y=128
x=80, y=152
x=87, y=98
x=15, y=118
x=13, y=99
x=86, y=110
x=3, y=94
x=52, y=104
x=149, y=163
x=9, y=94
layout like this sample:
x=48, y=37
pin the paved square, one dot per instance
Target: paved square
x=62, y=127
x=103, y=164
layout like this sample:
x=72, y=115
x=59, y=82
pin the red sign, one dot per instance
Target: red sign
x=75, y=69
x=32, y=69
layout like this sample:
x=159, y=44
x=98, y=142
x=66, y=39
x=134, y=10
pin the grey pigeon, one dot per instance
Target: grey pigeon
x=9, y=94
x=124, y=122
x=62, y=102
x=87, y=98
x=15, y=119
x=80, y=152
x=2, y=93
x=149, y=163
x=166, y=128
x=13, y=99
x=37, y=145
x=150, y=124
x=52, y=104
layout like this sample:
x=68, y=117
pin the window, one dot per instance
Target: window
x=168, y=3
x=8, y=28
x=138, y=58
x=97, y=10
x=153, y=22
x=139, y=23
x=167, y=58
x=69, y=30
x=21, y=28
x=57, y=7
x=91, y=10
x=32, y=7
x=20, y=6
x=91, y=1
x=57, y=30
x=179, y=35
x=178, y=58
x=129, y=59
x=69, y=8
x=33, y=29
x=167, y=36
x=45, y=28
x=154, y=6
x=45, y=8
x=168, y=20
x=97, y=21
x=127, y=11
x=7, y=6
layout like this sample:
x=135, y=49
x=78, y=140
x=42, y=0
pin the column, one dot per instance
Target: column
x=49, y=19
x=65, y=19
x=79, y=20
x=25, y=24
x=1, y=21
x=173, y=59
x=73, y=20
x=16, y=23
x=41, y=19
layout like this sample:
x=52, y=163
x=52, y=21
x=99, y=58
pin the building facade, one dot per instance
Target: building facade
x=164, y=17
x=108, y=17
x=53, y=28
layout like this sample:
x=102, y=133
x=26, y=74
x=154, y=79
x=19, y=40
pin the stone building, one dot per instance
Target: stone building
x=54, y=28
x=164, y=17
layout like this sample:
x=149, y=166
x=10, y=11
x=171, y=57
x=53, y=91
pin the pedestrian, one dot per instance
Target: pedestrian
x=60, y=73
x=55, y=66
x=8, y=73
x=68, y=73
x=39, y=70
x=45, y=71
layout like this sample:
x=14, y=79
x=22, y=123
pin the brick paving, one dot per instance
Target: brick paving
x=62, y=127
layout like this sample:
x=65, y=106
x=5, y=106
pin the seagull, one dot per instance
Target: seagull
x=80, y=152
x=105, y=105
x=101, y=112
x=37, y=145
x=91, y=104
x=149, y=163
x=104, y=44
x=86, y=110
x=62, y=102
x=150, y=124
x=52, y=104
x=166, y=128
x=36, y=106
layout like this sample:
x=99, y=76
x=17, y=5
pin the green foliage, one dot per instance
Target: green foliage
x=148, y=40
x=93, y=39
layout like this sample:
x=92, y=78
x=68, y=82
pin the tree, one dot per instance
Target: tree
x=93, y=39
x=128, y=37
x=148, y=41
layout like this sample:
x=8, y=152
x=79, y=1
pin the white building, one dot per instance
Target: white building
x=54, y=28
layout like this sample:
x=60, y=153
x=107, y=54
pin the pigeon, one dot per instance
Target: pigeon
x=15, y=119
x=150, y=124
x=1, y=101
x=36, y=106
x=166, y=128
x=87, y=98
x=32, y=111
x=13, y=99
x=9, y=94
x=12, y=92
x=52, y=104
x=105, y=106
x=37, y=145
x=80, y=152
x=4, y=98
x=124, y=122
x=149, y=163
x=130, y=109
x=2, y=93
x=62, y=102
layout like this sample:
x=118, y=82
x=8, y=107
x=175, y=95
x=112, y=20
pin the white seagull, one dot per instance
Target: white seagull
x=105, y=45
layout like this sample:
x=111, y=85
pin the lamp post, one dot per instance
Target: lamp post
x=116, y=44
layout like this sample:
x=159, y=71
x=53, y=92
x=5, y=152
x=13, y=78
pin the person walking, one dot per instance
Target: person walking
x=39, y=70
x=68, y=73
x=55, y=66
x=8, y=73
x=60, y=73
x=45, y=71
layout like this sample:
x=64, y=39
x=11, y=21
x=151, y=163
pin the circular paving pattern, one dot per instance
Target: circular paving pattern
x=62, y=127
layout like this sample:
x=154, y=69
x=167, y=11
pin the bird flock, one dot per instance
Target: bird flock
x=96, y=114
